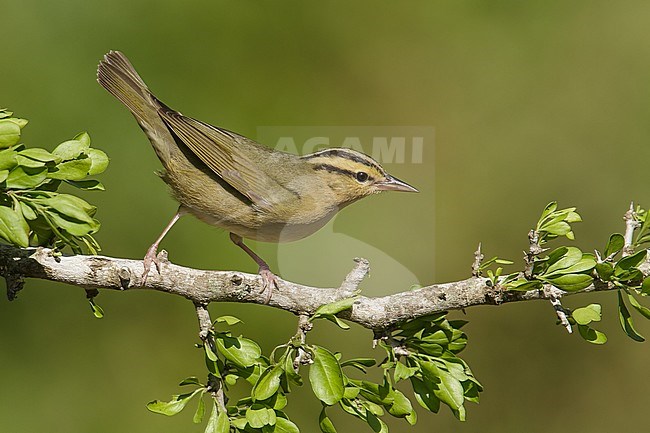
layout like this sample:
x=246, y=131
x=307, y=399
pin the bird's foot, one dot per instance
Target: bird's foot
x=269, y=282
x=150, y=258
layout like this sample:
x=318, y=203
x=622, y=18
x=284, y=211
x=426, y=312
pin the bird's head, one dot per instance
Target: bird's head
x=352, y=175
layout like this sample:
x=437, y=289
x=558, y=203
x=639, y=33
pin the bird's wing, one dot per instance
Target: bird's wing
x=224, y=153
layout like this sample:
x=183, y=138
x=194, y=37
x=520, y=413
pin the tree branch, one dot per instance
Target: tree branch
x=202, y=287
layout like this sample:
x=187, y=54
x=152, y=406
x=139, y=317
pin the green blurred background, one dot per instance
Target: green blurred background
x=530, y=101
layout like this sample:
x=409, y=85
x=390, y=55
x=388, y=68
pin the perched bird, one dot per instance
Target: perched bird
x=232, y=182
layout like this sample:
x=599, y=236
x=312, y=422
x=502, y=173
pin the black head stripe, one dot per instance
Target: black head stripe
x=345, y=154
x=333, y=169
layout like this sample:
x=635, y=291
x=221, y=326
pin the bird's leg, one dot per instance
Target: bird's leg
x=152, y=252
x=269, y=280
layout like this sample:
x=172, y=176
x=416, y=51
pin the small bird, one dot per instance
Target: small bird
x=232, y=182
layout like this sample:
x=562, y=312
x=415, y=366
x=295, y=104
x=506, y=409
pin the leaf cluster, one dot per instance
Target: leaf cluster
x=569, y=269
x=554, y=223
x=32, y=210
x=621, y=271
x=231, y=358
x=422, y=352
x=566, y=268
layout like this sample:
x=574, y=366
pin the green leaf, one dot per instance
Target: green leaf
x=76, y=169
x=456, y=369
x=561, y=228
x=25, y=177
x=71, y=149
x=258, y=416
x=440, y=337
x=70, y=206
x=424, y=395
x=88, y=185
x=573, y=217
x=239, y=423
x=283, y=425
x=13, y=227
x=20, y=122
x=27, y=211
x=351, y=392
x=571, y=282
x=403, y=372
x=629, y=262
x=571, y=256
x=99, y=161
x=592, y=335
x=325, y=424
x=190, y=381
x=550, y=208
x=84, y=138
x=292, y=375
x=638, y=307
x=588, y=314
x=472, y=390
x=412, y=418
x=401, y=406
x=9, y=133
x=334, y=308
x=605, y=271
x=645, y=287
x=524, y=285
x=376, y=424
x=98, y=311
x=450, y=390
x=73, y=227
x=228, y=320
x=615, y=244
x=626, y=320
x=38, y=154
x=427, y=347
x=8, y=159
x=326, y=377
x=28, y=162
x=241, y=351
x=268, y=383
x=447, y=388
x=378, y=394
x=586, y=263
x=209, y=353
x=359, y=362
x=172, y=407
x=200, y=412
x=278, y=401
x=218, y=421
x=332, y=318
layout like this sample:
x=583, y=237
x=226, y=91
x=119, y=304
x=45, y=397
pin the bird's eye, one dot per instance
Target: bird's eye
x=362, y=176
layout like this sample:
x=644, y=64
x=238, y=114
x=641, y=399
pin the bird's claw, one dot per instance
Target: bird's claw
x=150, y=258
x=269, y=282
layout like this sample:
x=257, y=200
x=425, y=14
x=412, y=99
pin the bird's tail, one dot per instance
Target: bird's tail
x=116, y=74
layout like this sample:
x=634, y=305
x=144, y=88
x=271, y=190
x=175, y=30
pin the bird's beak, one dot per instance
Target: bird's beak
x=394, y=184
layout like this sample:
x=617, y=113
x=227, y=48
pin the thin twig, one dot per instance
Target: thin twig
x=215, y=384
x=554, y=294
x=350, y=285
x=303, y=357
x=478, y=258
x=534, y=249
x=631, y=224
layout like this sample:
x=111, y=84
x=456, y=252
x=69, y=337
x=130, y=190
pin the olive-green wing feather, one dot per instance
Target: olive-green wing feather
x=227, y=154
